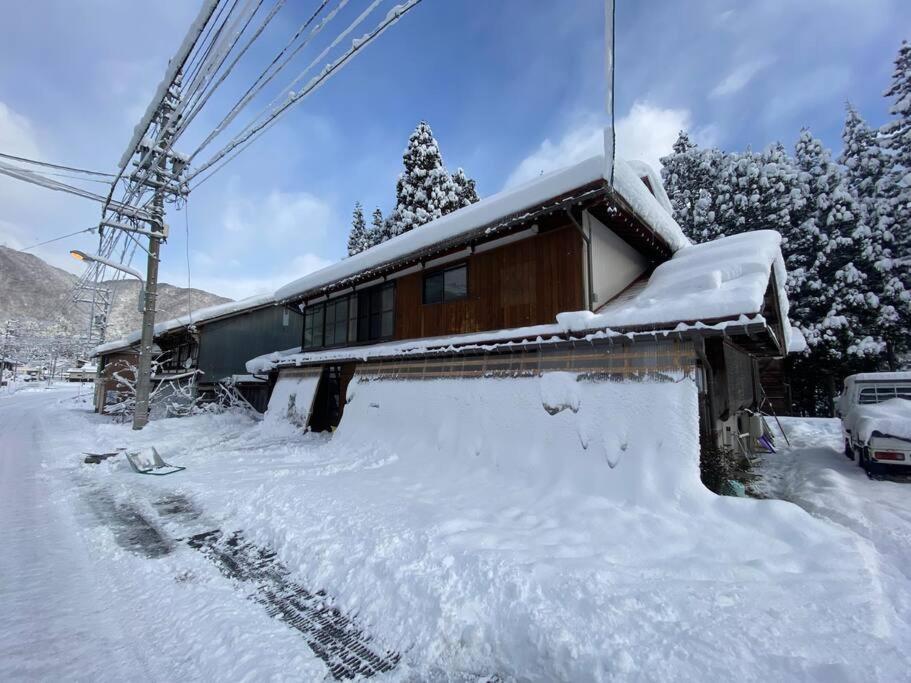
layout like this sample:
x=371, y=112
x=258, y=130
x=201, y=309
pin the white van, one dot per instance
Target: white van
x=875, y=412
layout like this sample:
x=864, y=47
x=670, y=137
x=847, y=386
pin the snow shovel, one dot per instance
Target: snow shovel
x=147, y=461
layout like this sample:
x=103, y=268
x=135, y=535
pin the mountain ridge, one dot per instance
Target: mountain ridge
x=34, y=293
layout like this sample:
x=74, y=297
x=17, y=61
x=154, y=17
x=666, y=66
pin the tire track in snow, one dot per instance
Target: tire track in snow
x=861, y=534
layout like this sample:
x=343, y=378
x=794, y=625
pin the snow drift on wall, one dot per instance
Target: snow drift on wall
x=555, y=431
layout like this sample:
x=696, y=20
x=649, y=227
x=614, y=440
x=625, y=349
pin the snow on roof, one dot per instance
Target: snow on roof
x=724, y=278
x=196, y=317
x=489, y=340
x=627, y=183
x=798, y=342
x=902, y=376
x=644, y=170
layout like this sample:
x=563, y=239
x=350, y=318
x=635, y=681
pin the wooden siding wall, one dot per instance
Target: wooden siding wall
x=523, y=283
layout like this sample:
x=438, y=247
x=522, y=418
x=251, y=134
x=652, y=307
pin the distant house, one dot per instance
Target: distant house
x=83, y=372
x=563, y=273
x=209, y=345
x=7, y=367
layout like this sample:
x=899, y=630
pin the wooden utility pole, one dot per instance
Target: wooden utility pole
x=159, y=178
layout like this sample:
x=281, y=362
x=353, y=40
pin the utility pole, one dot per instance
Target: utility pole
x=157, y=162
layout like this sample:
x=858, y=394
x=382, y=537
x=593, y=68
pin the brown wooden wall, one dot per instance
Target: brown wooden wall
x=523, y=283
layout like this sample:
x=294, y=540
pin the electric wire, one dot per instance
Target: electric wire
x=317, y=81
x=264, y=78
x=57, y=166
x=57, y=239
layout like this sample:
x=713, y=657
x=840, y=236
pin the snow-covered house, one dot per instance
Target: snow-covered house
x=563, y=274
x=209, y=345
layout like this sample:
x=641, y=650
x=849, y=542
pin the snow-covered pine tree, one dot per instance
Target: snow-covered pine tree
x=358, y=239
x=465, y=188
x=828, y=292
x=376, y=231
x=424, y=190
x=895, y=213
x=691, y=178
x=755, y=192
x=866, y=166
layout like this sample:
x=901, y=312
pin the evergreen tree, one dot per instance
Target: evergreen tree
x=465, y=188
x=424, y=191
x=358, y=239
x=829, y=296
x=691, y=177
x=376, y=232
x=756, y=192
x=895, y=213
x=866, y=166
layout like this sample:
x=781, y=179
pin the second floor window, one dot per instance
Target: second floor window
x=366, y=315
x=450, y=284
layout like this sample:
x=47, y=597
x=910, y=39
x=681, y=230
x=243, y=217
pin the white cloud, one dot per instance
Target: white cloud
x=259, y=244
x=278, y=216
x=241, y=286
x=17, y=135
x=737, y=79
x=646, y=133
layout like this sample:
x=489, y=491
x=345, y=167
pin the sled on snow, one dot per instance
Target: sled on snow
x=147, y=461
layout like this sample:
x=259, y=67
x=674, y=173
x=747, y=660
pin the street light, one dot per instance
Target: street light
x=94, y=258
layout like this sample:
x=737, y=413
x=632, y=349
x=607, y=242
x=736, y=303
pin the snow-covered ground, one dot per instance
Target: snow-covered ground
x=465, y=563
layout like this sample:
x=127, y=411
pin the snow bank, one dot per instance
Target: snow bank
x=725, y=278
x=496, y=207
x=547, y=432
x=474, y=551
x=889, y=418
x=196, y=317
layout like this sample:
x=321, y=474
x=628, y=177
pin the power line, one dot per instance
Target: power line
x=252, y=131
x=265, y=77
x=58, y=166
x=62, y=237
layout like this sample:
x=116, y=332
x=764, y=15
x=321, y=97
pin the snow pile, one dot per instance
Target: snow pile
x=546, y=432
x=888, y=418
x=725, y=278
x=497, y=207
x=467, y=555
x=194, y=318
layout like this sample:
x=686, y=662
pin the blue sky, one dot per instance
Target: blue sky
x=510, y=87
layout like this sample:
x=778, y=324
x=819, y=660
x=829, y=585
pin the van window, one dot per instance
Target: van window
x=878, y=394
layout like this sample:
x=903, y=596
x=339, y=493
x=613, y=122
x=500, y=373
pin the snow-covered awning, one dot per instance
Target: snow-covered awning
x=513, y=202
x=197, y=317
x=522, y=338
x=718, y=280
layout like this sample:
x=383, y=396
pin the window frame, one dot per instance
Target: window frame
x=357, y=317
x=309, y=311
x=462, y=265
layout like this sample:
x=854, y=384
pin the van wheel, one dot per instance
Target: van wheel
x=863, y=461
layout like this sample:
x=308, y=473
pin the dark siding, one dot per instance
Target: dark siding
x=523, y=283
x=226, y=345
